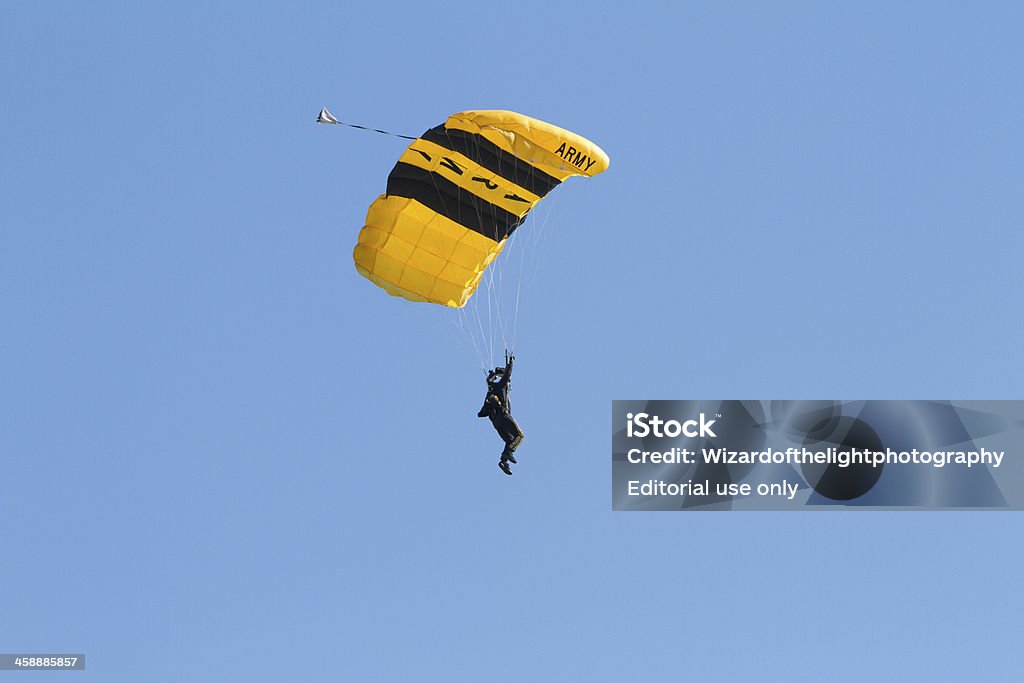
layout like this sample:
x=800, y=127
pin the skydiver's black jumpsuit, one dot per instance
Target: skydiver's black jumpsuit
x=497, y=407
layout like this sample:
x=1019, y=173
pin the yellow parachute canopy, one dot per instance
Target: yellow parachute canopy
x=456, y=195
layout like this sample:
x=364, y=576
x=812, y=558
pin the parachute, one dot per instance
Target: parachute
x=456, y=195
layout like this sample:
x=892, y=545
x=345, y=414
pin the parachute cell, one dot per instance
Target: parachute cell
x=455, y=196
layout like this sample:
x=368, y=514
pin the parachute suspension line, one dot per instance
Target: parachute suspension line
x=501, y=288
x=493, y=281
x=479, y=328
x=490, y=324
x=484, y=325
x=488, y=283
x=484, y=336
x=469, y=333
x=519, y=291
x=506, y=318
x=465, y=341
x=502, y=315
x=327, y=117
x=481, y=344
x=477, y=345
x=515, y=241
x=531, y=251
x=490, y=320
x=522, y=246
x=572, y=188
x=526, y=247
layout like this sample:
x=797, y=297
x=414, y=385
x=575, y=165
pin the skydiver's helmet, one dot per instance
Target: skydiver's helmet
x=495, y=376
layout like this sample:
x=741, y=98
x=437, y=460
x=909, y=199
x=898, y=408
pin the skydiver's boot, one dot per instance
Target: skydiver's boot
x=507, y=455
x=505, y=468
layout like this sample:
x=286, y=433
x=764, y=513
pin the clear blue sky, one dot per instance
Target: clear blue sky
x=226, y=456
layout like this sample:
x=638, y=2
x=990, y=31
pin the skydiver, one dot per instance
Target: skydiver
x=497, y=407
